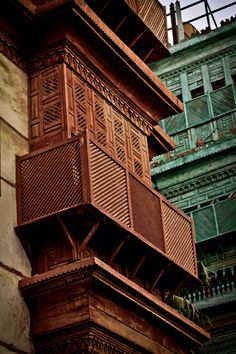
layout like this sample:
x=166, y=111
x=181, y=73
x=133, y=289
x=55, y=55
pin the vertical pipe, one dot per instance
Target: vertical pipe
x=173, y=24
x=179, y=21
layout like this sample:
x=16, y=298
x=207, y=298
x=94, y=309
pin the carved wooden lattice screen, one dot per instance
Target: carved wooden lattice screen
x=56, y=179
x=84, y=108
x=146, y=212
x=109, y=185
x=178, y=237
x=111, y=129
x=45, y=104
x=49, y=181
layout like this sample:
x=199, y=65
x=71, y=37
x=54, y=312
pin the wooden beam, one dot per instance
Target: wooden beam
x=103, y=7
x=175, y=290
x=120, y=23
x=66, y=231
x=137, y=38
x=117, y=249
x=138, y=266
x=159, y=275
x=89, y=235
x=148, y=54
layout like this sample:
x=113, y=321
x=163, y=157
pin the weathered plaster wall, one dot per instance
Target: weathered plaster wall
x=14, y=324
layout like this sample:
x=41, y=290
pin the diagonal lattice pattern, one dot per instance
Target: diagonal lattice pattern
x=52, y=115
x=50, y=84
x=50, y=181
x=178, y=238
x=146, y=213
x=109, y=185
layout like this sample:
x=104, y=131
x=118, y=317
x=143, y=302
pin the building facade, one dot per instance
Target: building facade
x=199, y=175
x=86, y=268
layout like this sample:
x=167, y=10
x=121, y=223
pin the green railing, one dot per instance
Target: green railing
x=215, y=219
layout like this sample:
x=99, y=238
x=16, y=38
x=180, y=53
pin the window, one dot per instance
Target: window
x=199, y=91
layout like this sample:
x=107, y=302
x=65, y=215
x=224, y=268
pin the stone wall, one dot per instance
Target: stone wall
x=14, y=324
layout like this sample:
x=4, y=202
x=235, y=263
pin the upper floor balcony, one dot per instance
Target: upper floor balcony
x=77, y=189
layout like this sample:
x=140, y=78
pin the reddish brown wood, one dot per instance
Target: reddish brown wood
x=117, y=249
x=67, y=234
x=86, y=185
x=113, y=190
x=89, y=235
x=95, y=301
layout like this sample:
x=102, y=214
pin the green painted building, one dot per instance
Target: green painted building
x=199, y=177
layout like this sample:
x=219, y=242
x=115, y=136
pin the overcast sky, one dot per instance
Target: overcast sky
x=199, y=9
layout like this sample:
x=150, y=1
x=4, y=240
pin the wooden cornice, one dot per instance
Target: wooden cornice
x=100, y=273
x=100, y=35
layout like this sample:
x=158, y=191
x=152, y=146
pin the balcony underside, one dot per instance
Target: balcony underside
x=85, y=230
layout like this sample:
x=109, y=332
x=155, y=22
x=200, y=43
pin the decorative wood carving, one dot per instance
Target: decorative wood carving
x=68, y=54
x=78, y=203
x=100, y=293
x=54, y=118
x=12, y=51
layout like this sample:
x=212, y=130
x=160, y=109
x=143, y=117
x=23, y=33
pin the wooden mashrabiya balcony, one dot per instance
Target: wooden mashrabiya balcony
x=77, y=194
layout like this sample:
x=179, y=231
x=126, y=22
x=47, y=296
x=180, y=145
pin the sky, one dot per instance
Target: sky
x=199, y=9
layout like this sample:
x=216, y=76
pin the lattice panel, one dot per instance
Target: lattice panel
x=175, y=123
x=109, y=185
x=178, y=238
x=135, y=142
x=100, y=121
x=101, y=137
x=50, y=181
x=138, y=168
x=80, y=105
x=204, y=131
x=153, y=14
x=222, y=100
x=182, y=141
x=216, y=70
x=146, y=213
x=173, y=83
x=197, y=111
x=120, y=143
x=195, y=78
x=225, y=213
x=99, y=112
x=226, y=125
x=119, y=128
x=204, y=223
x=52, y=115
x=120, y=153
x=50, y=84
x=46, y=118
x=232, y=60
x=80, y=95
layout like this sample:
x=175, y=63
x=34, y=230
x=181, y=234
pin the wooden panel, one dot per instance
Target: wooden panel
x=222, y=100
x=34, y=107
x=109, y=185
x=120, y=143
x=179, y=238
x=70, y=102
x=46, y=115
x=50, y=181
x=146, y=223
x=99, y=111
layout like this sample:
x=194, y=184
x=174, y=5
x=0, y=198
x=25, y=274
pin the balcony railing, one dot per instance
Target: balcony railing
x=222, y=289
x=78, y=172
